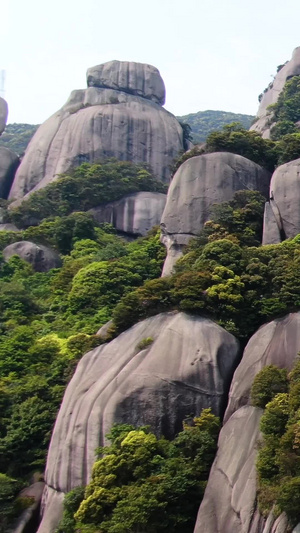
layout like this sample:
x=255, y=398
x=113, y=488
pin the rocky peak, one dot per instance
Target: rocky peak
x=3, y=114
x=138, y=79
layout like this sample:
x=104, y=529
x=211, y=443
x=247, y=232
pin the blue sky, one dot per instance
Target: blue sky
x=212, y=54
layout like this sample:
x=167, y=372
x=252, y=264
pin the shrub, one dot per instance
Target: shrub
x=267, y=383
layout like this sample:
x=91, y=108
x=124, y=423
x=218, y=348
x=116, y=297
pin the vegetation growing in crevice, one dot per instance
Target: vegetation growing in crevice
x=145, y=483
x=278, y=461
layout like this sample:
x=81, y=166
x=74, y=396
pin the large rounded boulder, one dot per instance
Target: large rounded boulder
x=110, y=118
x=200, y=182
x=156, y=373
x=282, y=212
x=40, y=257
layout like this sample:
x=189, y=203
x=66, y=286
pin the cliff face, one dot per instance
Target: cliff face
x=271, y=93
x=119, y=115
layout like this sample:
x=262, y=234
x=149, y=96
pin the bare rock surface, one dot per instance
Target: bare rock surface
x=133, y=78
x=199, y=183
x=35, y=492
x=3, y=114
x=271, y=94
x=9, y=162
x=276, y=343
x=282, y=212
x=40, y=257
x=97, y=123
x=187, y=367
x=135, y=214
x=229, y=503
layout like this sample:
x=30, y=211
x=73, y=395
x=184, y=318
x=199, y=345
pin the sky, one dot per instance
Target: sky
x=212, y=54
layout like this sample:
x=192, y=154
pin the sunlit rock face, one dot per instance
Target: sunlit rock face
x=230, y=500
x=282, y=212
x=134, y=214
x=272, y=92
x=200, y=182
x=119, y=115
x=187, y=367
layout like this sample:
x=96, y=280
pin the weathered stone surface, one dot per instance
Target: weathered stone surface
x=199, y=183
x=276, y=343
x=283, y=209
x=52, y=510
x=9, y=162
x=97, y=123
x=187, y=367
x=270, y=96
x=135, y=214
x=229, y=503
x=133, y=78
x=8, y=227
x=40, y=257
x=3, y=114
x=35, y=492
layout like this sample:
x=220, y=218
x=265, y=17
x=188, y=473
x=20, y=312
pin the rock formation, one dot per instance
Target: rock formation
x=282, y=212
x=9, y=161
x=135, y=214
x=118, y=115
x=229, y=502
x=40, y=257
x=3, y=114
x=199, y=183
x=271, y=93
x=187, y=367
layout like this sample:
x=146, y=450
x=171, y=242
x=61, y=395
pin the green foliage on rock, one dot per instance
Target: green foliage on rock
x=278, y=461
x=87, y=186
x=146, y=483
x=270, y=381
x=286, y=111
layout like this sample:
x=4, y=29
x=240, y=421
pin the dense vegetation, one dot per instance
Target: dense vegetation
x=205, y=122
x=286, y=111
x=145, y=483
x=278, y=462
x=235, y=139
x=17, y=136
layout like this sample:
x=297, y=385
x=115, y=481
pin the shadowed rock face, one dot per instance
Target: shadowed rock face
x=187, y=367
x=132, y=78
x=102, y=122
x=3, y=114
x=270, y=96
x=282, y=212
x=199, y=183
x=40, y=257
x=9, y=162
x=229, y=500
x=135, y=214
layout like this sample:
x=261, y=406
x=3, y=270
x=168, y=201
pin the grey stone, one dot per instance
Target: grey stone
x=3, y=114
x=270, y=96
x=135, y=214
x=199, y=183
x=9, y=162
x=229, y=503
x=276, y=343
x=187, y=367
x=34, y=491
x=103, y=331
x=285, y=204
x=133, y=78
x=8, y=227
x=94, y=124
x=51, y=509
x=40, y=257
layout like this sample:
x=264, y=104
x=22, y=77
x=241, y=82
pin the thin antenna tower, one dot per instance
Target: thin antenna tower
x=2, y=82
